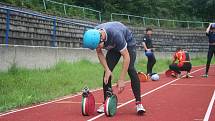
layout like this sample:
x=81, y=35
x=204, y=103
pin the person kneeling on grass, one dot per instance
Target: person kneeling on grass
x=183, y=63
x=118, y=40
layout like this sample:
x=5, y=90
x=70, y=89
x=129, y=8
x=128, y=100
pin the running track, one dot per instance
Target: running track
x=166, y=100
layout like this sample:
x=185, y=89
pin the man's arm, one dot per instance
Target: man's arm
x=103, y=61
x=174, y=58
x=208, y=29
x=126, y=61
x=125, y=65
x=144, y=46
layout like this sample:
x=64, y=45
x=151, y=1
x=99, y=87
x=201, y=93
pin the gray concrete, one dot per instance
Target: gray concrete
x=40, y=57
x=34, y=57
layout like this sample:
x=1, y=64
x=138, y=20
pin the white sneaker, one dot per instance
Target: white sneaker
x=100, y=109
x=140, y=109
x=205, y=75
x=179, y=76
x=189, y=76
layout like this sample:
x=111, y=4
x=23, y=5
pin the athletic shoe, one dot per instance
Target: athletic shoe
x=140, y=109
x=148, y=76
x=205, y=75
x=179, y=75
x=173, y=74
x=100, y=109
x=189, y=76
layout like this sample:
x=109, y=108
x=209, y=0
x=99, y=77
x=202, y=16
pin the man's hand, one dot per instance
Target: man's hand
x=148, y=50
x=208, y=29
x=120, y=86
x=108, y=73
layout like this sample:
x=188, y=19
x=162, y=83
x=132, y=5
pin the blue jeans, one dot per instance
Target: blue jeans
x=150, y=64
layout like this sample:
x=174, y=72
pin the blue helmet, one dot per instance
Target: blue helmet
x=213, y=26
x=91, y=39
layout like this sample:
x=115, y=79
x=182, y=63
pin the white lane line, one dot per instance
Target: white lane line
x=42, y=104
x=200, y=85
x=198, y=119
x=73, y=102
x=207, y=115
x=100, y=115
x=64, y=98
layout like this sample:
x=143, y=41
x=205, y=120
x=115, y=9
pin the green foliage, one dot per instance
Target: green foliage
x=195, y=10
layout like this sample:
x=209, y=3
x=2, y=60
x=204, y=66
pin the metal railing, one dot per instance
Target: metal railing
x=66, y=9
x=146, y=21
x=53, y=19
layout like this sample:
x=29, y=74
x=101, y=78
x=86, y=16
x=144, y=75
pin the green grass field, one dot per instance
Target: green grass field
x=22, y=87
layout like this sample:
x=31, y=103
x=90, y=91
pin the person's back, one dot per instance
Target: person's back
x=182, y=56
x=117, y=31
x=183, y=64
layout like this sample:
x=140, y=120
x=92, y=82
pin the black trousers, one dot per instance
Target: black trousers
x=211, y=52
x=151, y=62
x=112, y=58
x=186, y=67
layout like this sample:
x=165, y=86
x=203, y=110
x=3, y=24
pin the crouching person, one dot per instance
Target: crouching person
x=183, y=64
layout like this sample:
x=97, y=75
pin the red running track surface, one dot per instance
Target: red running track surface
x=168, y=99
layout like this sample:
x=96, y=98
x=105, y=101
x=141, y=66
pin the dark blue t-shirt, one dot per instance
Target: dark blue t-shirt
x=148, y=42
x=118, y=36
x=211, y=37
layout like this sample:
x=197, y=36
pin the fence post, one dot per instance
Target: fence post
x=54, y=33
x=44, y=4
x=158, y=22
x=84, y=12
x=7, y=27
x=100, y=17
x=64, y=7
x=188, y=25
x=144, y=22
x=173, y=23
x=202, y=25
x=129, y=21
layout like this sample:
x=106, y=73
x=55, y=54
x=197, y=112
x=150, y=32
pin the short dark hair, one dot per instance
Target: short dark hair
x=178, y=48
x=148, y=29
x=212, y=26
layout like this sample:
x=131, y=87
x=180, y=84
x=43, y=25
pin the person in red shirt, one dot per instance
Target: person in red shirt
x=183, y=63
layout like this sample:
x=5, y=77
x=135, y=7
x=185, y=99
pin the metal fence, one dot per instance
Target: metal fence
x=146, y=21
x=73, y=10
x=52, y=19
x=58, y=8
